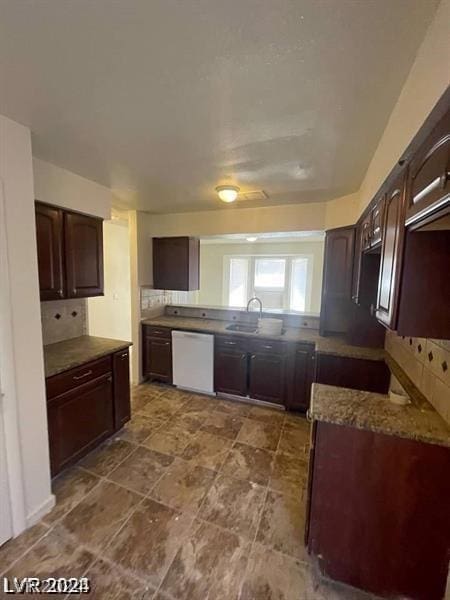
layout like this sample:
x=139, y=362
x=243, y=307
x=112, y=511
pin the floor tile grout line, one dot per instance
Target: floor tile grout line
x=40, y=538
x=253, y=542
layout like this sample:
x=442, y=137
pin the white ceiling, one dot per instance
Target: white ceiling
x=162, y=100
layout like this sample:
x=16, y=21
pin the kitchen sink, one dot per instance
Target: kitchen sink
x=242, y=327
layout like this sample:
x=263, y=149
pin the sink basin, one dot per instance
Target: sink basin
x=242, y=327
x=247, y=328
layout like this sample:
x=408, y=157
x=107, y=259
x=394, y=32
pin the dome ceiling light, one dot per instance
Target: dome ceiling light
x=227, y=193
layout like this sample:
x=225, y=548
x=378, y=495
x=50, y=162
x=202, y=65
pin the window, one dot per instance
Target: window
x=299, y=277
x=281, y=282
x=238, y=282
x=269, y=273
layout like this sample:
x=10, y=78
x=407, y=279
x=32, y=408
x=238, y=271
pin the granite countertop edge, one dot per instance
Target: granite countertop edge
x=419, y=424
x=90, y=347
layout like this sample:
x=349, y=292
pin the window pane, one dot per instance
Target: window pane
x=238, y=282
x=298, y=286
x=269, y=272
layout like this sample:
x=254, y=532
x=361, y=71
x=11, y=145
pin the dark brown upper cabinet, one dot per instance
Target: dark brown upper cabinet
x=429, y=176
x=70, y=253
x=365, y=233
x=376, y=220
x=391, y=253
x=176, y=263
x=83, y=238
x=49, y=237
x=337, y=280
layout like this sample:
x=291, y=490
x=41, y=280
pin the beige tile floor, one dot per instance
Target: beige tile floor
x=195, y=499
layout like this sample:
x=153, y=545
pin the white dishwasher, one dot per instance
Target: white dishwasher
x=193, y=361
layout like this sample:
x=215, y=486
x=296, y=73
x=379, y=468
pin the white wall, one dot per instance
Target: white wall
x=22, y=365
x=426, y=82
x=62, y=188
x=212, y=266
x=292, y=217
x=109, y=316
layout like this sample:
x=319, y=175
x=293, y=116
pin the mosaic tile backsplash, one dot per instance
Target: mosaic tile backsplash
x=157, y=299
x=427, y=363
x=63, y=320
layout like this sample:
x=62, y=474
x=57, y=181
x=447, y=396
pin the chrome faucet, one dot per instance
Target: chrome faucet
x=260, y=305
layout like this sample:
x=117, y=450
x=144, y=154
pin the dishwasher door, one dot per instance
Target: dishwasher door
x=193, y=361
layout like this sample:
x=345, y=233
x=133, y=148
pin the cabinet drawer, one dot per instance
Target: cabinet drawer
x=267, y=346
x=58, y=384
x=157, y=332
x=231, y=342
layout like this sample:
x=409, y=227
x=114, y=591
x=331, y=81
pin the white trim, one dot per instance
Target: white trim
x=8, y=377
x=41, y=511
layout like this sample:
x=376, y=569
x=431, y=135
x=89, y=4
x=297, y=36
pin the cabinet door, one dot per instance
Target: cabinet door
x=230, y=371
x=391, y=254
x=158, y=359
x=376, y=221
x=357, y=264
x=366, y=233
x=302, y=380
x=176, y=263
x=84, y=255
x=49, y=237
x=121, y=379
x=267, y=377
x=429, y=174
x=337, y=280
x=78, y=420
x=353, y=373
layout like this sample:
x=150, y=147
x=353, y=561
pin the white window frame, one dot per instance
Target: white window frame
x=289, y=258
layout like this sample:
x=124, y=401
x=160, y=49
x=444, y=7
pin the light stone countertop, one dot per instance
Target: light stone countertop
x=323, y=345
x=68, y=354
x=375, y=412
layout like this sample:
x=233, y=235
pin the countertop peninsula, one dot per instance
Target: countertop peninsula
x=375, y=412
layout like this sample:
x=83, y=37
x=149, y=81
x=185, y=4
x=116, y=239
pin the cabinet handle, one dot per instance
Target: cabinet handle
x=243, y=356
x=60, y=292
x=74, y=291
x=166, y=343
x=124, y=355
x=268, y=346
x=230, y=343
x=253, y=356
x=157, y=331
x=77, y=377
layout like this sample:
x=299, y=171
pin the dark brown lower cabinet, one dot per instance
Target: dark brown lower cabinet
x=230, y=366
x=121, y=381
x=85, y=405
x=378, y=515
x=267, y=377
x=158, y=359
x=354, y=373
x=301, y=374
x=78, y=420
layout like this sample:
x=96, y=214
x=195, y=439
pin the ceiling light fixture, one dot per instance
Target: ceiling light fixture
x=251, y=239
x=227, y=193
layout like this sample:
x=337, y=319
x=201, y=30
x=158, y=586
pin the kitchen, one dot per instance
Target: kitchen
x=239, y=380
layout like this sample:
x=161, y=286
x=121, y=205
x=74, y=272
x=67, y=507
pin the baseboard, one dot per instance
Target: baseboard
x=41, y=511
